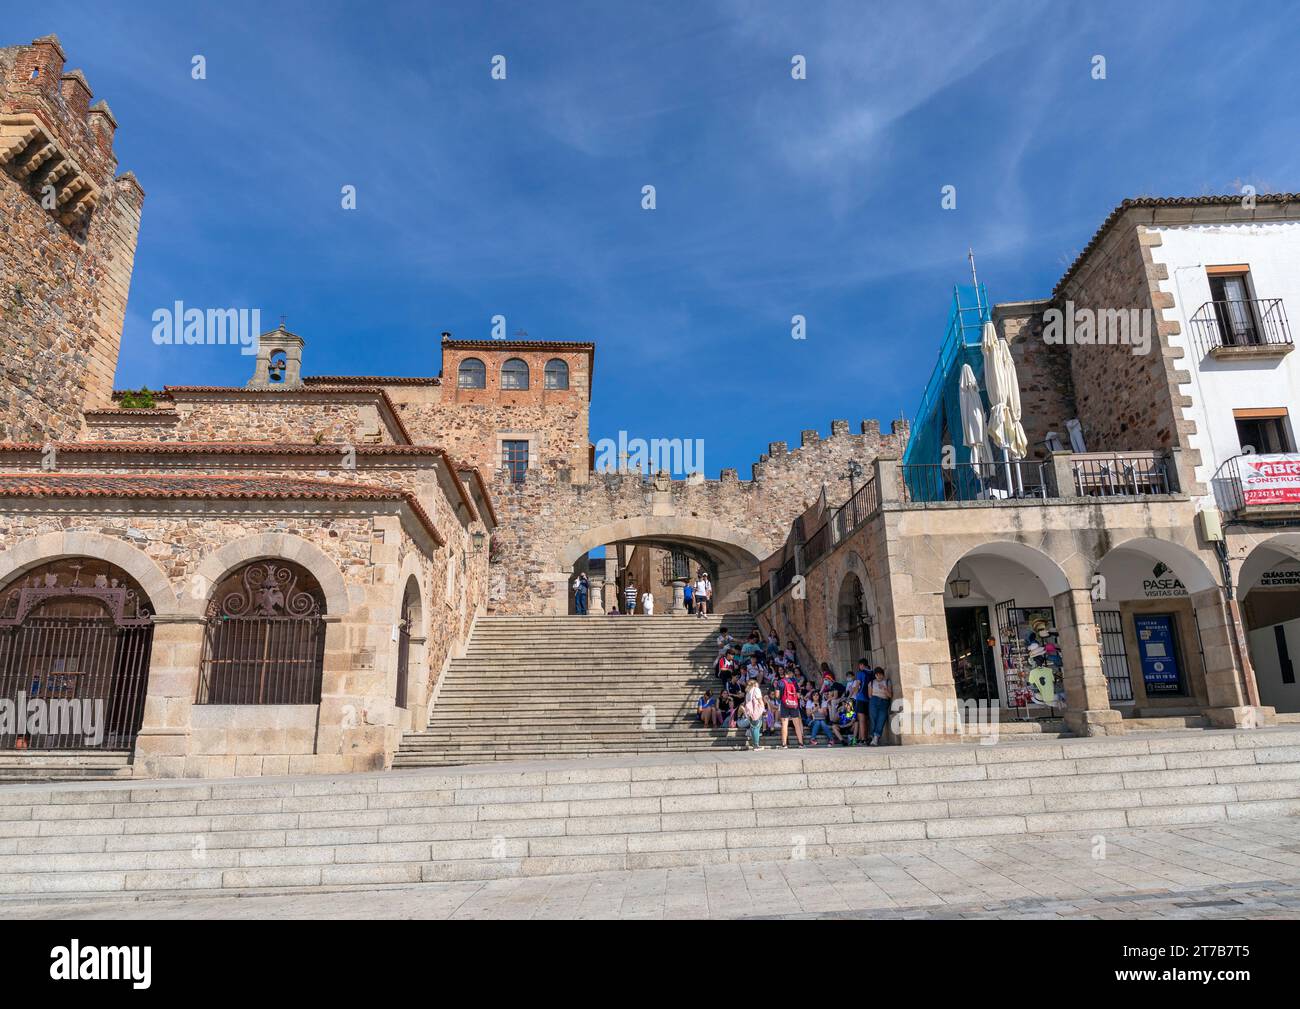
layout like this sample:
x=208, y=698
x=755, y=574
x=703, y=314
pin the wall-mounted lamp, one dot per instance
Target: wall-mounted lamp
x=479, y=536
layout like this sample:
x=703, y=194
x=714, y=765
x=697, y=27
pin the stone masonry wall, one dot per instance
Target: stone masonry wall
x=544, y=520
x=1046, y=387
x=63, y=287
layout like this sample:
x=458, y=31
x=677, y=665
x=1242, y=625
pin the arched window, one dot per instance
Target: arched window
x=472, y=374
x=410, y=625
x=265, y=639
x=514, y=374
x=77, y=633
x=556, y=374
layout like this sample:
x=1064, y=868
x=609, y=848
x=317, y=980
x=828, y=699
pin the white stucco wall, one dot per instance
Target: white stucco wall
x=1272, y=251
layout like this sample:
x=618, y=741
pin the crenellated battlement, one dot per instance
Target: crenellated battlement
x=867, y=440
x=70, y=229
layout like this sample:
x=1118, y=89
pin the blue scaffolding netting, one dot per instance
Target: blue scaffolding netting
x=938, y=421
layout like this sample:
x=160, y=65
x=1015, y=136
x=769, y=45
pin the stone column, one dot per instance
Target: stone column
x=596, y=596
x=1088, y=701
x=1230, y=691
x=611, y=595
x=679, y=597
x=1061, y=465
x=163, y=743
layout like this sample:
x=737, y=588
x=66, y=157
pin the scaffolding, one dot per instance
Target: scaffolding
x=938, y=421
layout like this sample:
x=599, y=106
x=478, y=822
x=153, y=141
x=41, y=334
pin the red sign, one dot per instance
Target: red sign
x=1270, y=479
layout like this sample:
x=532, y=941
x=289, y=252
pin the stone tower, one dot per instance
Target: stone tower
x=68, y=228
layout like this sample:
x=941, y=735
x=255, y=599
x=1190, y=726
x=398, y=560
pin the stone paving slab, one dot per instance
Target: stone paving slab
x=1244, y=869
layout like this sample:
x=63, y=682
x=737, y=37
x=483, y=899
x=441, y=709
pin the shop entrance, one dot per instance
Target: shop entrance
x=970, y=637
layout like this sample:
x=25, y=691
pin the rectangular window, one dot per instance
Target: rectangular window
x=1264, y=430
x=1234, y=306
x=514, y=456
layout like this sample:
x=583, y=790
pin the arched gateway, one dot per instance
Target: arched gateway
x=75, y=640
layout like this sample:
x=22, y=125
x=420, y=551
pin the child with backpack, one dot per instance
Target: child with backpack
x=791, y=709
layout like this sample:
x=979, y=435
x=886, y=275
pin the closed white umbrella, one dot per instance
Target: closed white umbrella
x=973, y=433
x=999, y=383
x=1017, y=443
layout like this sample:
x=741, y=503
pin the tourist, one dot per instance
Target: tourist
x=828, y=676
x=580, y=594
x=629, y=596
x=846, y=719
x=709, y=715
x=773, y=645
x=819, y=721
x=754, y=710
x=725, y=640
x=648, y=603
x=789, y=693
x=702, y=595
x=688, y=594
x=859, y=691
x=881, y=693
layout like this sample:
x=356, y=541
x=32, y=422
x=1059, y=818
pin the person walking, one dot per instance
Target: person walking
x=702, y=595
x=648, y=603
x=580, y=588
x=881, y=692
x=688, y=597
x=629, y=596
x=788, y=691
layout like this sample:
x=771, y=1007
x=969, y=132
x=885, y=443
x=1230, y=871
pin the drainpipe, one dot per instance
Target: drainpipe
x=1249, y=688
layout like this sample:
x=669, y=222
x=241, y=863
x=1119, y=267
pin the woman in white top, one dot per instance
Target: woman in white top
x=703, y=590
x=648, y=603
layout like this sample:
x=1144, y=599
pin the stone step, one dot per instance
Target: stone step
x=1167, y=723
x=540, y=817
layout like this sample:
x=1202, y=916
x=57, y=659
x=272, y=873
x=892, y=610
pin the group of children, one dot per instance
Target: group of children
x=763, y=687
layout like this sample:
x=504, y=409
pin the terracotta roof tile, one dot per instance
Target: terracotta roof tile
x=1163, y=201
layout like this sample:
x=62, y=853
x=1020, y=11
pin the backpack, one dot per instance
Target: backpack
x=789, y=695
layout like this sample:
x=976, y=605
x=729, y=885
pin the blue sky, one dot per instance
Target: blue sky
x=775, y=197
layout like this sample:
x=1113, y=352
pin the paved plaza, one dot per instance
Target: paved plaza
x=1244, y=869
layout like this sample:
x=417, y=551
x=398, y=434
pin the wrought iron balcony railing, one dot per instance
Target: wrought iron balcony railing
x=1225, y=326
x=1269, y=483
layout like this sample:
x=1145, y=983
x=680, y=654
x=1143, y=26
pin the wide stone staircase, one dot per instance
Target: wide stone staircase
x=535, y=686
x=633, y=812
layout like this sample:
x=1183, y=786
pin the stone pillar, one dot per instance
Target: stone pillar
x=1061, y=465
x=1088, y=701
x=596, y=596
x=1230, y=691
x=163, y=743
x=679, y=597
x=924, y=661
x=888, y=476
x=611, y=595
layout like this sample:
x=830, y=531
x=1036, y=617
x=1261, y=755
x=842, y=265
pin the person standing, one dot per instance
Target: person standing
x=629, y=596
x=788, y=691
x=580, y=594
x=859, y=687
x=701, y=597
x=648, y=603
x=881, y=693
x=754, y=709
x=688, y=597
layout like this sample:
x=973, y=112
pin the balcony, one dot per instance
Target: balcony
x=1259, y=487
x=1064, y=475
x=1256, y=328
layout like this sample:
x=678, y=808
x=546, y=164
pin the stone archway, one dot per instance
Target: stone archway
x=737, y=553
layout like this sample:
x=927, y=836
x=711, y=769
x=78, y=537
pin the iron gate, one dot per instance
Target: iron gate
x=1114, y=655
x=74, y=659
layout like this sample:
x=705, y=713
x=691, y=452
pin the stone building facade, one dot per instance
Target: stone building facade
x=69, y=223
x=1129, y=559
x=278, y=573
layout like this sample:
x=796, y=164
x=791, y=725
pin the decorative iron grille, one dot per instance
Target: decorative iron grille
x=265, y=638
x=75, y=643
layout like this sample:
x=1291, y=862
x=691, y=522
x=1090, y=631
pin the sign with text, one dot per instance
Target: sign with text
x=1270, y=479
x=1159, y=655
